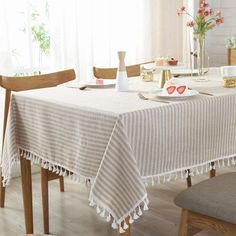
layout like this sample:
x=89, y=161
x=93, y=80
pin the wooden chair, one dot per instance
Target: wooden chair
x=232, y=56
x=209, y=205
x=110, y=73
x=27, y=83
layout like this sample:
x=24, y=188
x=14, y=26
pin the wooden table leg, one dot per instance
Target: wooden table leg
x=2, y=194
x=44, y=186
x=212, y=172
x=27, y=194
x=127, y=231
x=62, y=185
x=188, y=179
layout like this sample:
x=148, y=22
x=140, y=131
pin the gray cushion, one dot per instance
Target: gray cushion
x=214, y=197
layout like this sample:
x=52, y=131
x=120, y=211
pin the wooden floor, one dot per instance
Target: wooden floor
x=71, y=216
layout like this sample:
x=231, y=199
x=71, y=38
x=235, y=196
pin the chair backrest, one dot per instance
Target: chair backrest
x=231, y=56
x=14, y=83
x=36, y=81
x=110, y=73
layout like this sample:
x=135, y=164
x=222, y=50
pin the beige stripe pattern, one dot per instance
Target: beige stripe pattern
x=121, y=151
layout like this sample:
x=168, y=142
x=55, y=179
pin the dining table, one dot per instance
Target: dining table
x=119, y=142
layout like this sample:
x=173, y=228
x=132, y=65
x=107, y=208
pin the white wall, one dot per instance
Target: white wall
x=215, y=41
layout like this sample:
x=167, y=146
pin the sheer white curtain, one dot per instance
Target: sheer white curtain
x=86, y=33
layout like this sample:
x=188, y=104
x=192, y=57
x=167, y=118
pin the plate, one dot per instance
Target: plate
x=107, y=83
x=189, y=93
x=184, y=72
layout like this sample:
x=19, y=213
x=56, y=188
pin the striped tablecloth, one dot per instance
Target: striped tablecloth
x=119, y=141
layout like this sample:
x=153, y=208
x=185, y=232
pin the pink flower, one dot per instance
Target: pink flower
x=219, y=20
x=182, y=8
x=190, y=23
x=204, y=4
x=179, y=13
x=199, y=11
x=207, y=13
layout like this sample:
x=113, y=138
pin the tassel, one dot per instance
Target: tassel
x=197, y=171
x=233, y=161
x=50, y=167
x=164, y=178
x=153, y=181
x=91, y=204
x=139, y=211
x=98, y=210
x=114, y=225
x=228, y=162
x=135, y=217
x=108, y=219
x=186, y=175
x=146, y=182
x=131, y=219
x=103, y=213
x=223, y=163
x=145, y=207
x=125, y=226
x=121, y=230
x=176, y=175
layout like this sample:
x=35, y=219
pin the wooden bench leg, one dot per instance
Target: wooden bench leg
x=62, y=186
x=212, y=172
x=188, y=179
x=2, y=194
x=27, y=194
x=44, y=189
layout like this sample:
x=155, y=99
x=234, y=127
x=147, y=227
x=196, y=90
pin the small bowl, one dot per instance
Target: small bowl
x=172, y=62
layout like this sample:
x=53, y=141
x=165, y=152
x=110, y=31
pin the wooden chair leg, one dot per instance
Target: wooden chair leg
x=183, y=223
x=212, y=172
x=188, y=179
x=27, y=194
x=44, y=188
x=62, y=186
x=2, y=194
x=192, y=230
x=127, y=231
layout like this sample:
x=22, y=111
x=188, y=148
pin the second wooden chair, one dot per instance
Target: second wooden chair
x=110, y=73
x=28, y=83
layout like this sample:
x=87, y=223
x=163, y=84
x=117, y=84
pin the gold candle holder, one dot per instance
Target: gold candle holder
x=165, y=75
x=230, y=82
x=146, y=75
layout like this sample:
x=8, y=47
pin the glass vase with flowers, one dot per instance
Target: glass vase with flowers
x=205, y=19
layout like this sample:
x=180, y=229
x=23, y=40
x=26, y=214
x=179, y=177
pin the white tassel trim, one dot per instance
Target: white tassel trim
x=120, y=224
x=194, y=171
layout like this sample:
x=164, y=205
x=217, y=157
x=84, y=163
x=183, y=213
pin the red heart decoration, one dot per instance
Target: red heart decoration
x=171, y=89
x=181, y=89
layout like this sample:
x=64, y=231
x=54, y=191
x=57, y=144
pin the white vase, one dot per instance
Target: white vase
x=122, y=84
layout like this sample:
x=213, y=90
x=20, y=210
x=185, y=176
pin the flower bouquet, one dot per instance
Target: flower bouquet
x=205, y=20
